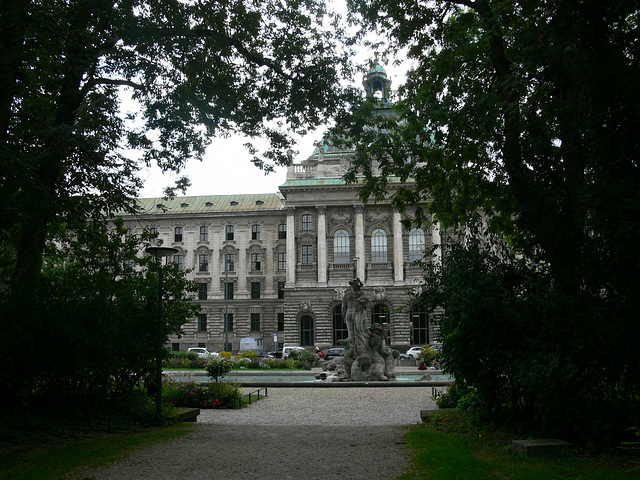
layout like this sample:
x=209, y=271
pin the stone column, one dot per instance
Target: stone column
x=398, y=254
x=360, y=253
x=291, y=247
x=322, y=245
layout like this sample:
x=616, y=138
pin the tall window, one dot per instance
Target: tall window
x=339, y=326
x=341, y=246
x=306, y=222
x=307, y=254
x=306, y=331
x=255, y=290
x=204, y=234
x=419, y=327
x=202, y=322
x=179, y=261
x=255, y=322
x=228, y=291
x=255, y=262
x=177, y=235
x=255, y=232
x=379, y=246
x=230, y=262
x=282, y=261
x=202, y=291
x=281, y=290
x=203, y=263
x=230, y=322
x=229, y=231
x=416, y=244
x=153, y=231
x=282, y=231
x=281, y=321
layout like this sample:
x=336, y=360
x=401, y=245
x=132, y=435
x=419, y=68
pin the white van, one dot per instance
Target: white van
x=288, y=349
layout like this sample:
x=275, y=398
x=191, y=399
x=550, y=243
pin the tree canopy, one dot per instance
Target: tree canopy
x=195, y=70
x=524, y=114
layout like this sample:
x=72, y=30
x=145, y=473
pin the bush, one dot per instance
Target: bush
x=226, y=355
x=217, y=368
x=196, y=395
x=250, y=354
x=428, y=355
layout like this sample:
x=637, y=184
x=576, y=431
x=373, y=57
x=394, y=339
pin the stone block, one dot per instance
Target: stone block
x=187, y=414
x=541, y=446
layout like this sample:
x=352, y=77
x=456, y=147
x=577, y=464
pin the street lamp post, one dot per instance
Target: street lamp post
x=158, y=252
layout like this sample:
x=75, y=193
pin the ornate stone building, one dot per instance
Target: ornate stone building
x=279, y=263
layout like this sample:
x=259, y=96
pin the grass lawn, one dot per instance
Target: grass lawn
x=451, y=447
x=53, y=459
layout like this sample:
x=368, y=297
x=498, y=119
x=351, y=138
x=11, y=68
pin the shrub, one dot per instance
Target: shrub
x=428, y=355
x=226, y=355
x=250, y=354
x=217, y=368
x=195, y=395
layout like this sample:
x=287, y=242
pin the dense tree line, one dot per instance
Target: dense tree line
x=518, y=123
x=193, y=70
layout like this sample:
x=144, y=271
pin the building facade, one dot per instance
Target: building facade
x=276, y=265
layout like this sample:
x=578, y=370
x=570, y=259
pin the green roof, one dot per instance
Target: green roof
x=211, y=204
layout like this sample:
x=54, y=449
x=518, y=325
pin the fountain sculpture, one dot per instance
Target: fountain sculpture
x=368, y=357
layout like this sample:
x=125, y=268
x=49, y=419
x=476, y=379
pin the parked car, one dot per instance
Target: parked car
x=203, y=352
x=330, y=353
x=404, y=356
x=263, y=354
x=437, y=347
x=276, y=353
x=414, y=352
x=288, y=349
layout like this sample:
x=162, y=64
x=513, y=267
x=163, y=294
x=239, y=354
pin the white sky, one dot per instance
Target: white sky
x=226, y=167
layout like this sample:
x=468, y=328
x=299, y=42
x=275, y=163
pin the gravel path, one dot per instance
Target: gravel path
x=295, y=433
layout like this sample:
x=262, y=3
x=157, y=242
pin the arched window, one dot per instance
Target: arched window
x=419, y=326
x=379, y=246
x=416, y=244
x=341, y=246
x=339, y=326
x=306, y=331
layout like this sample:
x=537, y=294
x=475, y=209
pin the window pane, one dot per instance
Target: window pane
x=306, y=222
x=178, y=260
x=229, y=232
x=202, y=291
x=203, y=263
x=341, y=247
x=307, y=254
x=282, y=231
x=255, y=321
x=178, y=234
x=255, y=232
x=202, y=322
x=255, y=262
x=379, y=246
x=204, y=234
x=229, y=291
x=416, y=244
x=255, y=290
x=230, y=262
x=282, y=261
x=280, y=321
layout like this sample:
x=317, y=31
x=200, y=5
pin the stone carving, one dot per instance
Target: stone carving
x=379, y=293
x=368, y=357
x=339, y=293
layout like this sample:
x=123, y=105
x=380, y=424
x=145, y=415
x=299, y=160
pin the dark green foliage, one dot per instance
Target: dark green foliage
x=217, y=368
x=518, y=122
x=92, y=334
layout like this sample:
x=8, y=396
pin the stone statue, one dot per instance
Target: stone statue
x=368, y=357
